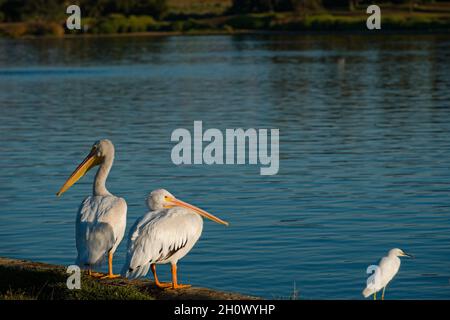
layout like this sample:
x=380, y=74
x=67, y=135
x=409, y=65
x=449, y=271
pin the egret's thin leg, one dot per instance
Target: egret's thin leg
x=374, y=296
x=382, y=296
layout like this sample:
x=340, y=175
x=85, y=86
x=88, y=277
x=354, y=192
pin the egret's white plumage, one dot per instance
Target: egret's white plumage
x=164, y=235
x=101, y=219
x=386, y=271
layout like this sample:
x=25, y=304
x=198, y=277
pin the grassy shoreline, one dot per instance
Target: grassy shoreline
x=27, y=280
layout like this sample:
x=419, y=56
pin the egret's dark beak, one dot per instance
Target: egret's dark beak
x=408, y=255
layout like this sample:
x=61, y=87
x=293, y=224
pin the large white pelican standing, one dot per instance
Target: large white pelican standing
x=164, y=235
x=387, y=269
x=101, y=219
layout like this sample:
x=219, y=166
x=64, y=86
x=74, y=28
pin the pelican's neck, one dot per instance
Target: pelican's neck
x=100, y=177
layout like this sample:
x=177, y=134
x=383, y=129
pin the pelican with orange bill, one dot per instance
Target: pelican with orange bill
x=101, y=219
x=164, y=235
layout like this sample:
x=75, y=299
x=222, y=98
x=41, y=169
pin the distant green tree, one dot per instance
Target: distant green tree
x=306, y=5
x=12, y=10
x=246, y=6
x=21, y=10
x=352, y=4
x=94, y=8
x=332, y=4
x=2, y=15
x=155, y=8
x=44, y=9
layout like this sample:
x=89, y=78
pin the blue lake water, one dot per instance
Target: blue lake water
x=364, y=153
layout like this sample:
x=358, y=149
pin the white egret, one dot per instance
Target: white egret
x=386, y=271
x=164, y=235
x=101, y=219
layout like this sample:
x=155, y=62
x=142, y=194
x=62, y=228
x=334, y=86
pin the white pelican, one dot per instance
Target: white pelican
x=387, y=269
x=164, y=235
x=101, y=219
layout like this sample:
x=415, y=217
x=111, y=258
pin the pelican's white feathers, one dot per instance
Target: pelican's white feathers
x=161, y=236
x=100, y=226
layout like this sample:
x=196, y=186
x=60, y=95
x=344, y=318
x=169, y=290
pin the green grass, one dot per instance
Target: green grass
x=332, y=22
x=198, y=7
x=26, y=284
x=117, y=23
x=415, y=23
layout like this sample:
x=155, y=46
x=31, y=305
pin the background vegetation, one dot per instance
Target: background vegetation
x=47, y=17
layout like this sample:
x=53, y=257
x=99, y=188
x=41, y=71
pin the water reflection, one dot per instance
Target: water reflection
x=364, y=149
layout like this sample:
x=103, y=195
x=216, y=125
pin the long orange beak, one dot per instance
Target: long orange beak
x=90, y=161
x=201, y=212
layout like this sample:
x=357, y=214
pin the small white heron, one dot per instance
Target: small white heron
x=386, y=271
x=164, y=235
x=101, y=219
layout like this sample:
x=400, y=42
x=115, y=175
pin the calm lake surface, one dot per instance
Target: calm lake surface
x=364, y=153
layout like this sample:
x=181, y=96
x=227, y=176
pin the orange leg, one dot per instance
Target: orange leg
x=175, y=284
x=110, y=274
x=160, y=285
x=94, y=274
